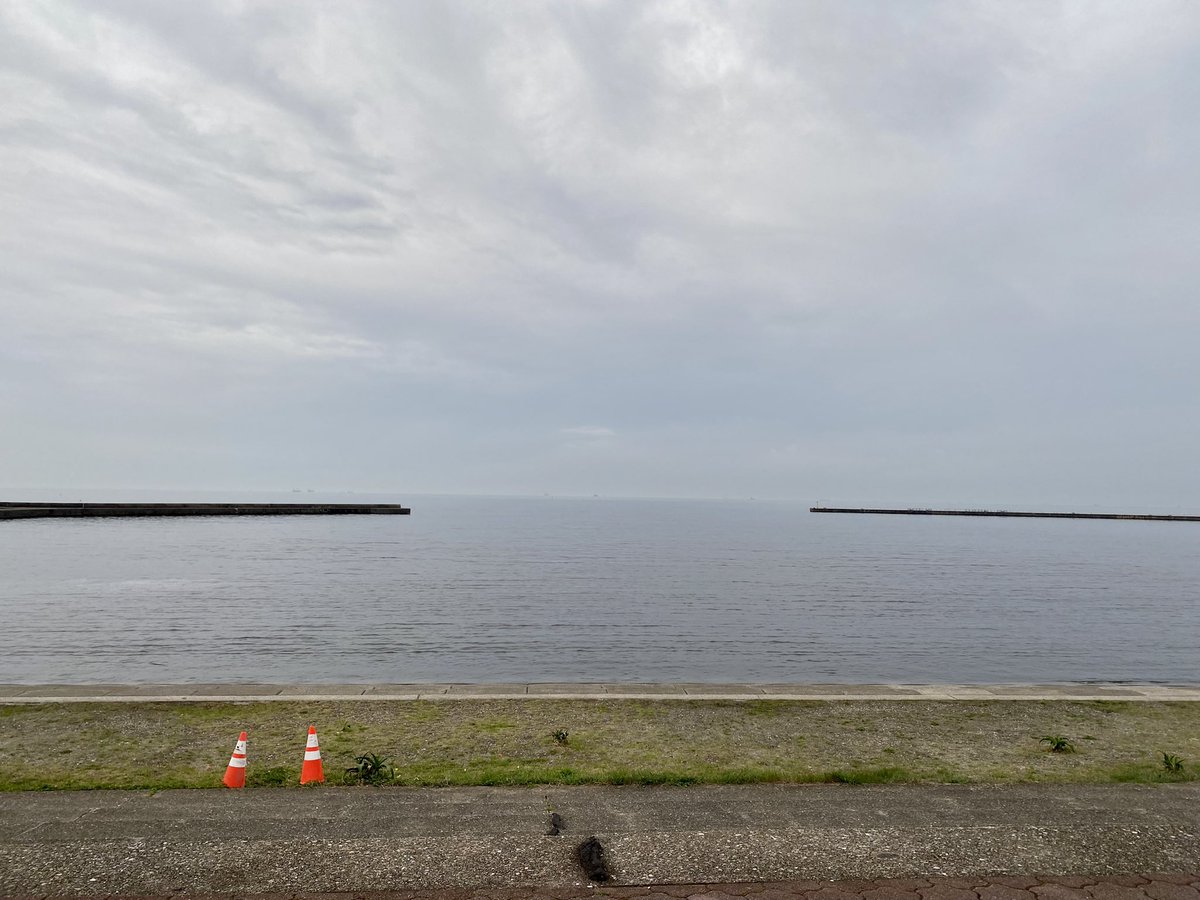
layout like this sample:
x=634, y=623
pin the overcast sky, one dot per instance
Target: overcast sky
x=842, y=251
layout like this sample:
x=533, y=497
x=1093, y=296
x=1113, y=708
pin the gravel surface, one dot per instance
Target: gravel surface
x=364, y=839
x=1150, y=886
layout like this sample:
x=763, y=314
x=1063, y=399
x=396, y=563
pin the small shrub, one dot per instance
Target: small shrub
x=370, y=768
x=1172, y=763
x=1058, y=743
x=561, y=737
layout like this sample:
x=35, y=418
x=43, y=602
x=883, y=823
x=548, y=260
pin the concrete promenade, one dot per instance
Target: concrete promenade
x=1152, y=886
x=281, y=841
x=118, y=693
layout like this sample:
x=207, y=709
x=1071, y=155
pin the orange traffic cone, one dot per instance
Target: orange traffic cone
x=235, y=772
x=312, y=770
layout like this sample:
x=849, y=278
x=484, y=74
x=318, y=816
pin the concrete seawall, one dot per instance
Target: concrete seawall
x=16, y=510
x=260, y=693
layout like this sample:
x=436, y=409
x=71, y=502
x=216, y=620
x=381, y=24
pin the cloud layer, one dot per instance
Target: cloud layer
x=941, y=252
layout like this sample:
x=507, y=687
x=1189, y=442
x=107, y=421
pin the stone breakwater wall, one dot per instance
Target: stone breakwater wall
x=998, y=513
x=16, y=510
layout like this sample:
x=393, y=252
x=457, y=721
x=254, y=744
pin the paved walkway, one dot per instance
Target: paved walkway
x=1114, y=887
x=276, y=841
x=117, y=693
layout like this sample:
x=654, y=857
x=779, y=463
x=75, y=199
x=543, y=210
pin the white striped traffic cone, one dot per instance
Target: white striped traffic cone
x=311, y=770
x=235, y=772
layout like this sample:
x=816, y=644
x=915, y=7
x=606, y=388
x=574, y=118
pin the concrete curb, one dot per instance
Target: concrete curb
x=225, y=693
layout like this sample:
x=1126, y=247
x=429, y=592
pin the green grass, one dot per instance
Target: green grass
x=277, y=776
x=498, y=725
x=511, y=742
x=1150, y=773
x=765, y=707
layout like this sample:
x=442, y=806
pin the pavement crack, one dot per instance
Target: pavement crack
x=91, y=810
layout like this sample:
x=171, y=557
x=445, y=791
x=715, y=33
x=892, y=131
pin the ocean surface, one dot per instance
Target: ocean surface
x=544, y=589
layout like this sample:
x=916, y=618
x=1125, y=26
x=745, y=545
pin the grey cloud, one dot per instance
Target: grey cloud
x=935, y=251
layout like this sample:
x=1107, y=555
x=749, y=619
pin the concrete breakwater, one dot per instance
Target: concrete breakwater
x=17, y=510
x=996, y=513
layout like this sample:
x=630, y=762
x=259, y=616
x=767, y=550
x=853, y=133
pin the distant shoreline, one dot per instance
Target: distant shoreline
x=997, y=513
x=11, y=510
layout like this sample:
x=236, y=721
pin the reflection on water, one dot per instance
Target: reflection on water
x=483, y=589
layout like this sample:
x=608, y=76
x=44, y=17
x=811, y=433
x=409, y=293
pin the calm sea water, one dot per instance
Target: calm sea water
x=481, y=589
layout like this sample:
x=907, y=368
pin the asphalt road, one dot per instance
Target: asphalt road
x=367, y=839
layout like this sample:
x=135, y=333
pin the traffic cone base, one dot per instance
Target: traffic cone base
x=312, y=772
x=235, y=772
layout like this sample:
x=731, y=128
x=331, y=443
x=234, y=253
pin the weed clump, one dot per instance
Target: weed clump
x=1058, y=744
x=370, y=768
x=1172, y=763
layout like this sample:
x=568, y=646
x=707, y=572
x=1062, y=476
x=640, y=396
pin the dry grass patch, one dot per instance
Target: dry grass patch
x=158, y=745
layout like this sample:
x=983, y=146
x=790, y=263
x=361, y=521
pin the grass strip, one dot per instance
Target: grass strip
x=626, y=741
